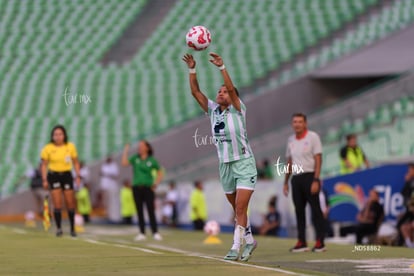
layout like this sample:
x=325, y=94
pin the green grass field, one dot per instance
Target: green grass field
x=110, y=250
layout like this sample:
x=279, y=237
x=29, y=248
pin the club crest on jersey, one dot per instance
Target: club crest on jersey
x=219, y=126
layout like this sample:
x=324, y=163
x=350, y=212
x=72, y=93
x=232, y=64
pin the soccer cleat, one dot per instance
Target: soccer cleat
x=59, y=233
x=247, y=251
x=232, y=255
x=299, y=247
x=140, y=237
x=73, y=234
x=319, y=247
x=157, y=237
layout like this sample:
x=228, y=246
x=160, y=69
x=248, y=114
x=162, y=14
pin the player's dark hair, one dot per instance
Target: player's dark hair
x=65, y=136
x=350, y=136
x=197, y=183
x=149, y=147
x=235, y=90
x=299, y=114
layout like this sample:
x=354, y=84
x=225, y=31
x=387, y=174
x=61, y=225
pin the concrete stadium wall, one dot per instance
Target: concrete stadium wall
x=390, y=56
x=18, y=204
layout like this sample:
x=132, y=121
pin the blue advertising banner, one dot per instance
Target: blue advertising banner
x=348, y=193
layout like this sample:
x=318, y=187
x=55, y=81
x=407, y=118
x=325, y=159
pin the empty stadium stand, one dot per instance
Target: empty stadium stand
x=51, y=53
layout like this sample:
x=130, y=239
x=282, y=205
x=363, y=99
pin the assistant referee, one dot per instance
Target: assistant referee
x=304, y=154
x=58, y=157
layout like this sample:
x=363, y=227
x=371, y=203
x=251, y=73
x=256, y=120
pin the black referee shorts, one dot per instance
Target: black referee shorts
x=60, y=180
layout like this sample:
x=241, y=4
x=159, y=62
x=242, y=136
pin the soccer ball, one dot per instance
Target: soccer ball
x=212, y=228
x=79, y=220
x=198, y=38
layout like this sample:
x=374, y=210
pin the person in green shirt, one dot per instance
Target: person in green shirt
x=198, y=206
x=144, y=185
x=267, y=169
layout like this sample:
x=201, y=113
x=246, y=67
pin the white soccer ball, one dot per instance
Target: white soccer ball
x=29, y=216
x=79, y=220
x=198, y=38
x=212, y=228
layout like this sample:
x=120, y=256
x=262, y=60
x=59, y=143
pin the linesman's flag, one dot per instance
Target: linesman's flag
x=46, y=215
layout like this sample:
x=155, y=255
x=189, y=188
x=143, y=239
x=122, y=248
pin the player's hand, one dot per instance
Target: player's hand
x=315, y=187
x=216, y=60
x=286, y=189
x=126, y=147
x=191, y=63
x=78, y=180
x=45, y=184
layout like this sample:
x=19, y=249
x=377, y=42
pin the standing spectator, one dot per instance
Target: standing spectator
x=144, y=185
x=36, y=187
x=352, y=156
x=198, y=206
x=267, y=169
x=260, y=171
x=304, y=153
x=110, y=189
x=84, y=202
x=84, y=173
x=408, y=189
x=170, y=214
x=58, y=157
x=128, y=209
x=405, y=225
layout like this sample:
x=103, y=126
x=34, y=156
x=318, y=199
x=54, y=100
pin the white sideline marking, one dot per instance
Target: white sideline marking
x=175, y=250
x=195, y=254
x=385, y=266
x=19, y=231
x=123, y=246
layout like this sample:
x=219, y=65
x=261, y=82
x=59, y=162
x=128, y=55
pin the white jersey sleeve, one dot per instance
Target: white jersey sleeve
x=316, y=144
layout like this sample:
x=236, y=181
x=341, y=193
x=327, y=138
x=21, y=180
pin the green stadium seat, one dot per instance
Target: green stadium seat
x=384, y=115
x=50, y=46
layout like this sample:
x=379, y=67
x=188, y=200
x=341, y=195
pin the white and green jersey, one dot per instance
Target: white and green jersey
x=229, y=132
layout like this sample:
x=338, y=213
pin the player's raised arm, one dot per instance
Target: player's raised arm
x=195, y=89
x=218, y=61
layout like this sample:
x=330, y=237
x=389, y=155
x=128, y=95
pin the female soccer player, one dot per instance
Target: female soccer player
x=237, y=168
x=58, y=157
x=144, y=185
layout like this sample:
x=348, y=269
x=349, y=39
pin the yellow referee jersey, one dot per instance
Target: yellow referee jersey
x=59, y=157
